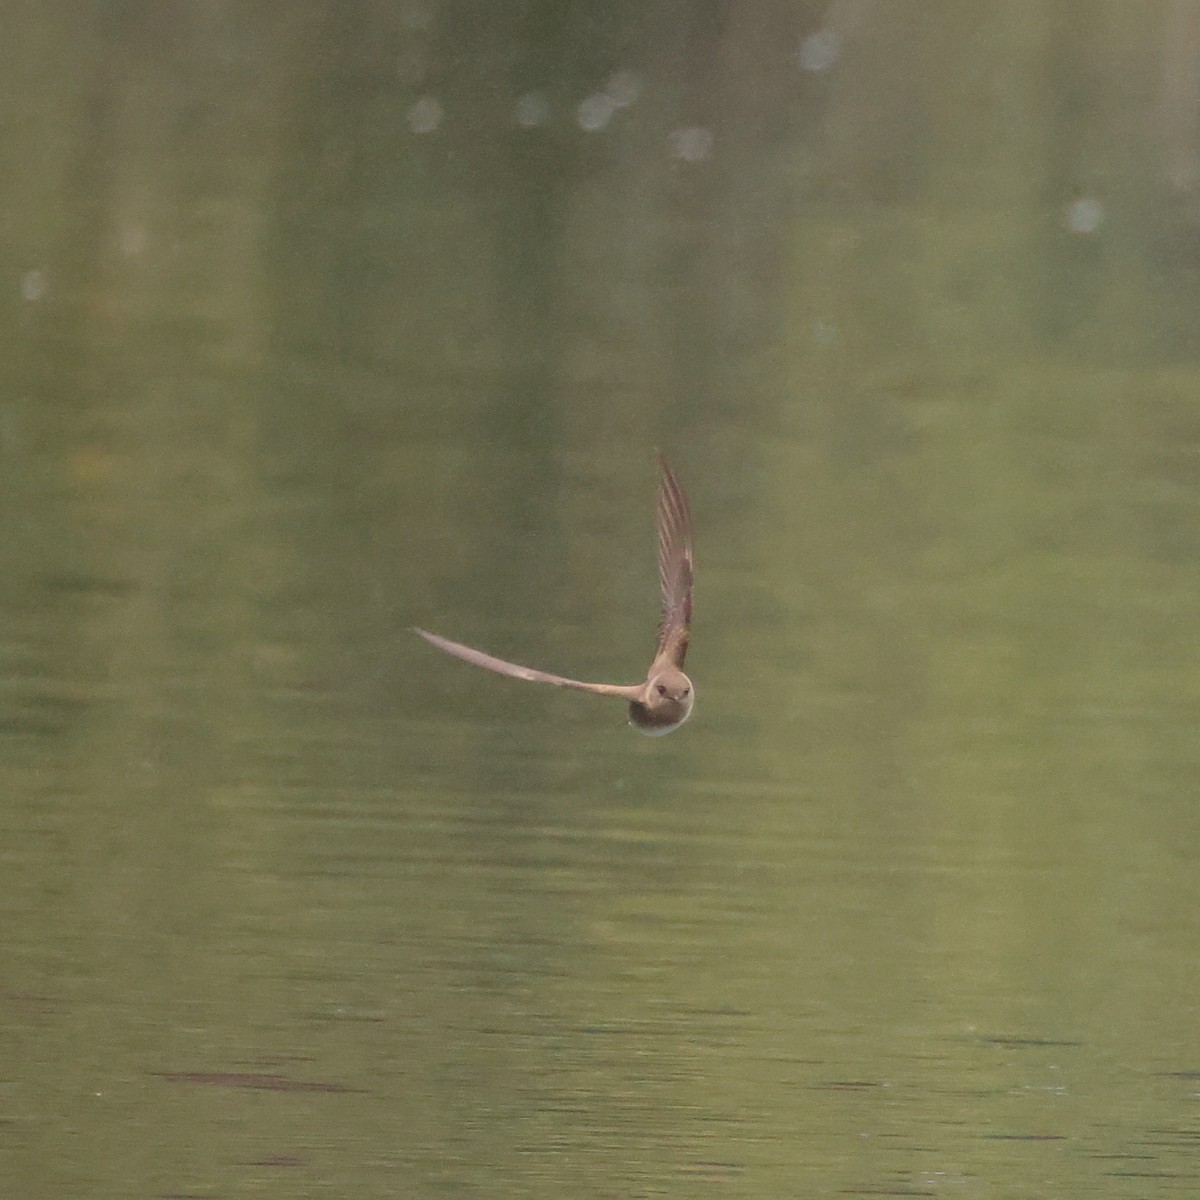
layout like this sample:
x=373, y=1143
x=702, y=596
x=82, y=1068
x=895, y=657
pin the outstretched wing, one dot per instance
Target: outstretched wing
x=477, y=658
x=675, y=572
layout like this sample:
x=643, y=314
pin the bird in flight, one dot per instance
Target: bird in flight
x=664, y=700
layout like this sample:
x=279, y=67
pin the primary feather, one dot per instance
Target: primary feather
x=489, y=662
x=675, y=571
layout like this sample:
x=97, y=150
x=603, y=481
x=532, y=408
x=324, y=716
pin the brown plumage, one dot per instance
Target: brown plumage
x=663, y=701
x=675, y=571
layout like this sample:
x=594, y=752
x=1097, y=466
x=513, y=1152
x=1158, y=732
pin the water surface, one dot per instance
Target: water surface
x=324, y=324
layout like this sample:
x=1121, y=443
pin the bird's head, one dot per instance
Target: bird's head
x=665, y=702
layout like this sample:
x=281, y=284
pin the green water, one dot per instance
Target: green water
x=311, y=339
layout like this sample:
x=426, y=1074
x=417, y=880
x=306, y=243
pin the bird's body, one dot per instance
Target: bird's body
x=664, y=700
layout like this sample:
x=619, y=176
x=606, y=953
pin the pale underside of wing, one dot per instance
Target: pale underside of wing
x=675, y=571
x=477, y=658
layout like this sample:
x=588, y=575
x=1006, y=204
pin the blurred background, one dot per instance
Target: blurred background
x=328, y=319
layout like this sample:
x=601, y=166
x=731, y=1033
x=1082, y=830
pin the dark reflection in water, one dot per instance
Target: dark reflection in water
x=255, y=1081
x=330, y=321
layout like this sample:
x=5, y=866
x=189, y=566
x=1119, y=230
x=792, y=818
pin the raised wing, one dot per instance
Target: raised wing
x=675, y=573
x=477, y=658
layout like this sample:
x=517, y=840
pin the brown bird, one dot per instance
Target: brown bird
x=664, y=701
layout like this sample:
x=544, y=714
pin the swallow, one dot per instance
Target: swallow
x=664, y=700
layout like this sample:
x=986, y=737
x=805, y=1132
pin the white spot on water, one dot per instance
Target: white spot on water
x=532, y=109
x=693, y=143
x=595, y=112
x=132, y=240
x=417, y=16
x=820, y=50
x=425, y=115
x=1084, y=215
x=33, y=284
x=623, y=88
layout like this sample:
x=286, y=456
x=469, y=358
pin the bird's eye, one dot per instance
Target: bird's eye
x=685, y=691
x=662, y=691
